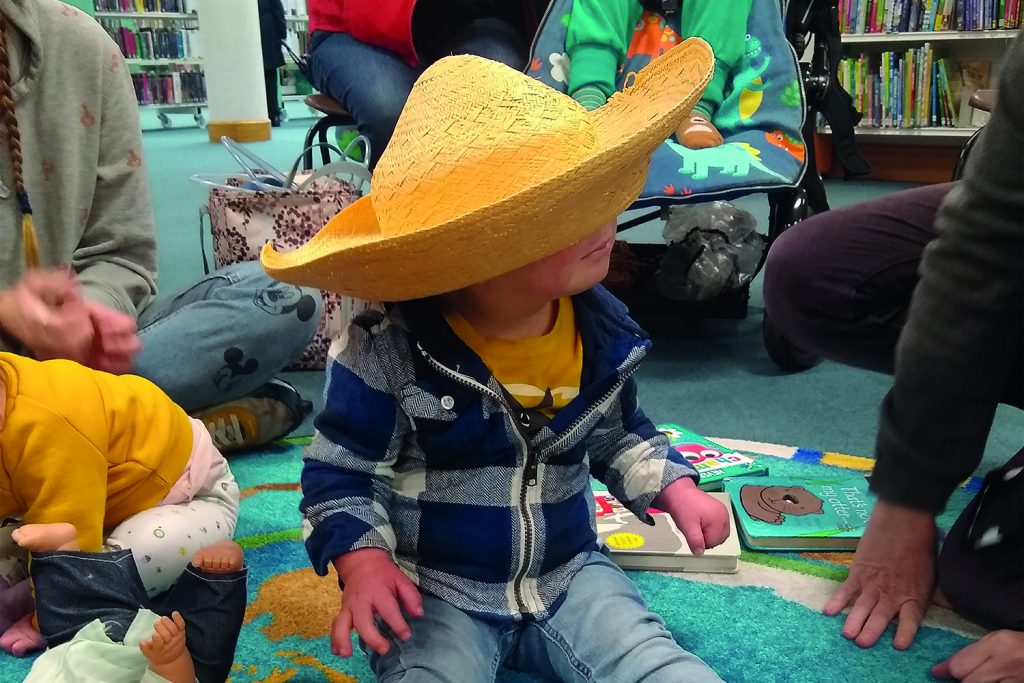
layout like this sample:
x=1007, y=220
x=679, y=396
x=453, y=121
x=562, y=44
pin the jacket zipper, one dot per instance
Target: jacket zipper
x=571, y=432
x=531, y=458
x=529, y=479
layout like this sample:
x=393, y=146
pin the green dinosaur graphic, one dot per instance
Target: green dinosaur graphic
x=748, y=87
x=790, y=97
x=731, y=159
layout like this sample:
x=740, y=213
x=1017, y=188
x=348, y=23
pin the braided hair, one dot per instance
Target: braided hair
x=29, y=241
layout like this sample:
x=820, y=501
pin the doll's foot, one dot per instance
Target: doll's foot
x=698, y=132
x=166, y=651
x=22, y=638
x=220, y=558
x=38, y=538
x=15, y=602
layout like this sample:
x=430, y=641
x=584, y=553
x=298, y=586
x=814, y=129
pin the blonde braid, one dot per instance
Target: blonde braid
x=29, y=241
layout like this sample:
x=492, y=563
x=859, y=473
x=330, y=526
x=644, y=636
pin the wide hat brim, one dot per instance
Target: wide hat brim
x=351, y=256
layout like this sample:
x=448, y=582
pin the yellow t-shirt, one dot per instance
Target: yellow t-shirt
x=86, y=447
x=541, y=373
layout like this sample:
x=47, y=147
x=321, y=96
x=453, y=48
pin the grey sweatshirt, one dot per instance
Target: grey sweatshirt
x=961, y=349
x=82, y=150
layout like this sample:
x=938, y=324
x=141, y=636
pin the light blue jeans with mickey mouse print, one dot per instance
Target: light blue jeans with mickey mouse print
x=201, y=509
x=225, y=336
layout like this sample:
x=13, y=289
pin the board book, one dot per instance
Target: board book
x=635, y=545
x=792, y=513
x=713, y=462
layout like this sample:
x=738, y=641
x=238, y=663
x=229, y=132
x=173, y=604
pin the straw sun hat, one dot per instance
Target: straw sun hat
x=489, y=170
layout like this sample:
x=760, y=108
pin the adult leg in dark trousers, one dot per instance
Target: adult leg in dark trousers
x=273, y=106
x=839, y=285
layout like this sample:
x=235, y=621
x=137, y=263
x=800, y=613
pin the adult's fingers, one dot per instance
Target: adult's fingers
x=911, y=614
x=861, y=611
x=961, y=664
x=847, y=592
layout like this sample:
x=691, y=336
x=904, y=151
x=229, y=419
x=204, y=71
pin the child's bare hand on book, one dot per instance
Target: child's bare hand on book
x=703, y=520
x=373, y=585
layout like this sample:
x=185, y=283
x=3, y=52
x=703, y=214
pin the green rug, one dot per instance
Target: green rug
x=762, y=624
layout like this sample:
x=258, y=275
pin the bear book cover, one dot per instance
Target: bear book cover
x=789, y=513
x=713, y=462
x=662, y=547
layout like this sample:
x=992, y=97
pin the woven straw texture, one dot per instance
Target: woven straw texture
x=489, y=170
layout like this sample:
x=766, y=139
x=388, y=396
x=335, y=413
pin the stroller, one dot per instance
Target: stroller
x=767, y=119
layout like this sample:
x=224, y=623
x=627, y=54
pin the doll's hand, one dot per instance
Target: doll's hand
x=374, y=585
x=115, y=341
x=703, y=520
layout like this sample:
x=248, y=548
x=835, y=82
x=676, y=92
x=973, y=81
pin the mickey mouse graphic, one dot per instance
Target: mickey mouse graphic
x=281, y=299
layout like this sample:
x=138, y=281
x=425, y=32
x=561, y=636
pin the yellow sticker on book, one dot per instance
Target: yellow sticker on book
x=624, y=540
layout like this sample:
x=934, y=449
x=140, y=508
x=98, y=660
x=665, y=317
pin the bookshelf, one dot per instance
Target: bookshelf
x=160, y=41
x=911, y=64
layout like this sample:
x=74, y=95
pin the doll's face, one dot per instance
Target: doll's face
x=570, y=271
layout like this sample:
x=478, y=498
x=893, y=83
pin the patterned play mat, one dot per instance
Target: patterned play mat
x=762, y=624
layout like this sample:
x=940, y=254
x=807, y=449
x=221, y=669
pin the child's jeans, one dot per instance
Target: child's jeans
x=603, y=631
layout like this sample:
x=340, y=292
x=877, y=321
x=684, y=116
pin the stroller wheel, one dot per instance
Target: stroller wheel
x=787, y=355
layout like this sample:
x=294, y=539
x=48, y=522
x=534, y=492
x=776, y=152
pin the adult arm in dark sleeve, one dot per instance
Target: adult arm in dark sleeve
x=965, y=331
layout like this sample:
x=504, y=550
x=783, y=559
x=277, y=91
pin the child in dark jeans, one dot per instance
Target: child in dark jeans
x=449, y=479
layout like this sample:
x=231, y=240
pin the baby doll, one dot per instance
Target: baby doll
x=449, y=479
x=119, y=458
x=108, y=634
x=600, y=31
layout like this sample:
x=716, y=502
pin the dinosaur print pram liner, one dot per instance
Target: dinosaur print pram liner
x=760, y=119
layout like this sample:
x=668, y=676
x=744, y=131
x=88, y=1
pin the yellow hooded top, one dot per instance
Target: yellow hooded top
x=86, y=447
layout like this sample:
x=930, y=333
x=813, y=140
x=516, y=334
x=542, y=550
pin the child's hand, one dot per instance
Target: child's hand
x=703, y=520
x=373, y=585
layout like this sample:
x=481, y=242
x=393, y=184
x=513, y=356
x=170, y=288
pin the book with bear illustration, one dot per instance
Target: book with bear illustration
x=791, y=513
x=635, y=545
x=715, y=463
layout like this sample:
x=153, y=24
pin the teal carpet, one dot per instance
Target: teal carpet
x=762, y=624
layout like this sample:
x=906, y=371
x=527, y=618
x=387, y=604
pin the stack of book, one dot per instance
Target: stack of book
x=179, y=87
x=913, y=88
x=145, y=5
x=144, y=42
x=888, y=16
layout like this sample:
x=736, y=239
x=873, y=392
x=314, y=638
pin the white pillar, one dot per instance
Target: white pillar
x=233, y=64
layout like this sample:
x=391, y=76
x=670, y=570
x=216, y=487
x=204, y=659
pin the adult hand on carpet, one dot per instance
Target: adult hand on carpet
x=702, y=519
x=892, y=576
x=373, y=584
x=998, y=657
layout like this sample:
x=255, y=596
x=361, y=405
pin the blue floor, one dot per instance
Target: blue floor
x=714, y=376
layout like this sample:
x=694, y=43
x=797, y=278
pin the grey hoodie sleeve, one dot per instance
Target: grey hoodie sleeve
x=965, y=331
x=116, y=257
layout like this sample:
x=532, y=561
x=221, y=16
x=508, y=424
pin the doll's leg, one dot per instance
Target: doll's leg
x=168, y=657
x=211, y=596
x=165, y=537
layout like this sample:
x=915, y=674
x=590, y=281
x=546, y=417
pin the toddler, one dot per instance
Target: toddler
x=600, y=31
x=449, y=479
x=117, y=458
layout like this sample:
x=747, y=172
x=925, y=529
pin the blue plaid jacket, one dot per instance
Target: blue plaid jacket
x=418, y=453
